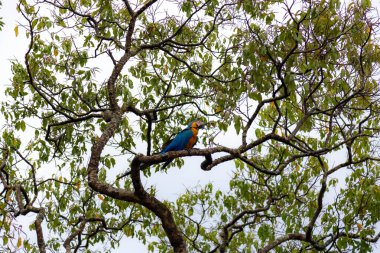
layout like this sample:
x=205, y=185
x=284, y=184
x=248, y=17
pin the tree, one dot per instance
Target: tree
x=296, y=80
x=1, y=20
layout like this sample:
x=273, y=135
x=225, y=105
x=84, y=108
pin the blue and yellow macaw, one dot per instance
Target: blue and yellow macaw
x=186, y=139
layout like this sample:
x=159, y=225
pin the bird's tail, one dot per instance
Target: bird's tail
x=166, y=164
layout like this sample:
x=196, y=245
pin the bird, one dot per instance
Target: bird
x=186, y=139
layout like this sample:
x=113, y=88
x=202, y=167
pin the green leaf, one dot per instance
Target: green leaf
x=22, y=125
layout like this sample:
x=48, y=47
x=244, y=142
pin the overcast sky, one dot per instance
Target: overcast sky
x=170, y=185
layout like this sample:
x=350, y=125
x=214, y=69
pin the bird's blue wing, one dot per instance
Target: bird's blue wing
x=179, y=142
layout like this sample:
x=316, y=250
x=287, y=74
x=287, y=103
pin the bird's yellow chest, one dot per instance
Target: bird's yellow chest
x=193, y=139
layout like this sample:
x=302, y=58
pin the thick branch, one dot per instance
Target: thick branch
x=282, y=239
x=71, y=237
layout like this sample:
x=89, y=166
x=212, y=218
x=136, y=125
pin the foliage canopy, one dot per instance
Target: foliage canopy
x=295, y=81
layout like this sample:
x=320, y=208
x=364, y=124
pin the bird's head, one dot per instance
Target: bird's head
x=197, y=124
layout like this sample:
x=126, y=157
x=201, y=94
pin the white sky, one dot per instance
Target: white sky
x=170, y=185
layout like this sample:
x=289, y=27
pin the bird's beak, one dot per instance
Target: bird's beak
x=201, y=124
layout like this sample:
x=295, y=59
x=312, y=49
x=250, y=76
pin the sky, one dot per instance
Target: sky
x=13, y=47
x=169, y=185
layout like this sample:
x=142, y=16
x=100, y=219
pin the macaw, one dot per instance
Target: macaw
x=186, y=139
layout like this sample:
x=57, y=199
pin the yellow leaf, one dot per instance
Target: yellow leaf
x=101, y=197
x=8, y=195
x=77, y=185
x=217, y=109
x=16, y=30
x=166, y=69
x=129, y=231
x=60, y=178
x=360, y=226
x=55, y=51
x=19, y=242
